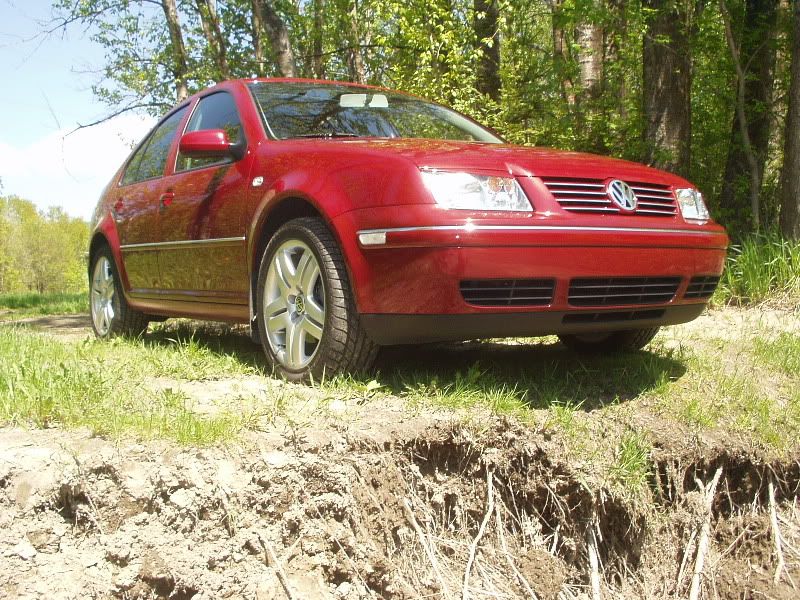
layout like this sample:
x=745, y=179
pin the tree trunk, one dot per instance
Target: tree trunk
x=278, y=36
x=318, y=66
x=561, y=51
x=589, y=37
x=744, y=169
x=180, y=70
x=667, y=83
x=790, y=176
x=213, y=34
x=257, y=26
x=358, y=73
x=487, y=32
x=616, y=38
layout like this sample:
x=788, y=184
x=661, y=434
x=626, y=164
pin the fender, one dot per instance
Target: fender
x=106, y=229
x=331, y=186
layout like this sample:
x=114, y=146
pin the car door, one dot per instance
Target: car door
x=135, y=205
x=203, y=251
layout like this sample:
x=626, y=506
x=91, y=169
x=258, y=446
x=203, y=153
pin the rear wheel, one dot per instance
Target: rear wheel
x=611, y=341
x=111, y=314
x=307, y=318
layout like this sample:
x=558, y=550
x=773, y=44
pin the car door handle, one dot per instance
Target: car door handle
x=116, y=209
x=166, y=200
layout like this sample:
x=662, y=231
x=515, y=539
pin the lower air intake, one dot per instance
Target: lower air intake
x=619, y=291
x=508, y=292
x=702, y=286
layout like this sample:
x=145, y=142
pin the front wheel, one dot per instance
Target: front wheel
x=307, y=318
x=612, y=341
x=111, y=314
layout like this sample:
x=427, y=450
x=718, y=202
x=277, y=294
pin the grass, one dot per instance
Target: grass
x=16, y=306
x=536, y=381
x=762, y=267
x=782, y=353
x=632, y=466
x=103, y=387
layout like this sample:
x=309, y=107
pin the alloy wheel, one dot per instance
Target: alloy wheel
x=103, y=292
x=294, y=304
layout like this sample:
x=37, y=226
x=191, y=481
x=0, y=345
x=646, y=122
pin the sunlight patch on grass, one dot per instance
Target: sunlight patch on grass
x=18, y=306
x=93, y=385
x=781, y=353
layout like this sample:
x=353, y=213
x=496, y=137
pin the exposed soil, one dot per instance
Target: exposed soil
x=380, y=501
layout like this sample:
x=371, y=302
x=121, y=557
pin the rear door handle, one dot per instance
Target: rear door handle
x=116, y=209
x=166, y=200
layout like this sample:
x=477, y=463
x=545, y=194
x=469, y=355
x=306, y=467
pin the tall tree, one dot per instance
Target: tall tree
x=561, y=50
x=272, y=24
x=356, y=66
x=318, y=31
x=589, y=42
x=217, y=44
x=487, y=34
x=667, y=84
x=790, y=176
x=754, y=61
x=179, y=67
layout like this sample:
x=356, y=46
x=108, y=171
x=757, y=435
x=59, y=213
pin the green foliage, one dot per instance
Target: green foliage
x=761, y=267
x=40, y=251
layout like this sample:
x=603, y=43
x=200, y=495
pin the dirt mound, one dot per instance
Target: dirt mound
x=421, y=512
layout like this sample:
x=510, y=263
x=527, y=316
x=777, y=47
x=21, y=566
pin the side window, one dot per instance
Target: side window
x=151, y=158
x=217, y=111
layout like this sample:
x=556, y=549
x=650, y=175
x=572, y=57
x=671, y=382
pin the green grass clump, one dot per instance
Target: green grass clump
x=631, y=467
x=31, y=304
x=46, y=382
x=782, y=353
x=762, y=267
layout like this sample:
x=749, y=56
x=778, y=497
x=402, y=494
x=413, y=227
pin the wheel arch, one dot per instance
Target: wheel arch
x=273, y=214
x=105, y=234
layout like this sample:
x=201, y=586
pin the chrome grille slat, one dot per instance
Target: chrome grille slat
x=652, y=197
x=582, y=195
x=587, y=200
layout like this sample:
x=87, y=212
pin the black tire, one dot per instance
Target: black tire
x=628, y=340
x=122, y=320
x=344, y=346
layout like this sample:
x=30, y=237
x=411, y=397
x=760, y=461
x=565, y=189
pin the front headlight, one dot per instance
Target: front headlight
x=475, y=192
x=693, y=208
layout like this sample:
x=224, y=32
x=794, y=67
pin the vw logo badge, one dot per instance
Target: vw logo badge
x=621, y=194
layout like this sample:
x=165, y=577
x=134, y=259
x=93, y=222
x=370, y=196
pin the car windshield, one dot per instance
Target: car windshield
x=297, y=110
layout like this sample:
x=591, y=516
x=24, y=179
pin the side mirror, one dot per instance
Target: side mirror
x=210, y=143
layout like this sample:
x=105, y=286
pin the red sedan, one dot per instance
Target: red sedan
x=336, y=218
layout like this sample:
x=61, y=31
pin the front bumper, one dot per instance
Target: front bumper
x=408, y=281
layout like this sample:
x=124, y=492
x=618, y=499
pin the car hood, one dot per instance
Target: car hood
x=519, y=161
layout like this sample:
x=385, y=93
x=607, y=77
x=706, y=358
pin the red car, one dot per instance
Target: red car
x=336, y=218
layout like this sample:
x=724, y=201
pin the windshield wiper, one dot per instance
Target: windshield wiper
x=331, y=134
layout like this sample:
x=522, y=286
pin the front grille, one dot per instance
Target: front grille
x=610, y=317
x=589, y=196
x=617, y=291
x=702, y=286
x=508, y=292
